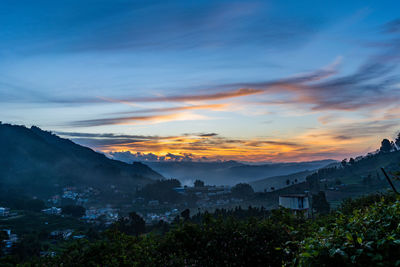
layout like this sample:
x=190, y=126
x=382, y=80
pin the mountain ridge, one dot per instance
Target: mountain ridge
x=40, y=162
x=228, y=172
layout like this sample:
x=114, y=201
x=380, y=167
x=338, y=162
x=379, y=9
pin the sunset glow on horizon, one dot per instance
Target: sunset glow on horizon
x=253, y=81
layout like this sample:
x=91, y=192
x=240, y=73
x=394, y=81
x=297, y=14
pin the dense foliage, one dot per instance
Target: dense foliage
x=362, y=232
x=161, y=190
x=370, y=236
x=242, y=190
x=213, y=242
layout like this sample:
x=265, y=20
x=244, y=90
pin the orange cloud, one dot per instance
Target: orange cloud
x=199, y=97
x=135, y=120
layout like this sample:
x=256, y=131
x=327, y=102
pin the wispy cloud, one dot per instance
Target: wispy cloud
x=136, y=120
x=216, y=107
x=200, y=97
x=392, y=26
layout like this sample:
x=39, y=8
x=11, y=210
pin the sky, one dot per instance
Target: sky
x=256, y=81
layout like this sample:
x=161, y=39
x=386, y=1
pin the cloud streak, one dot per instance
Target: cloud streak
x=130, y=120
x=200, y=97
x=217, y=107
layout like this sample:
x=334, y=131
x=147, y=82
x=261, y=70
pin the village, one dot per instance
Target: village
x=152, y=211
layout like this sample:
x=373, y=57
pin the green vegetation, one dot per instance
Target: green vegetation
x=199, y=183
x=213, y=242
x=74, y=210
x=370, y=236
x=264, y=185
x=161, y=190
x=362, y=232
x=242, y=190
x=34, y=233
x=131, y=225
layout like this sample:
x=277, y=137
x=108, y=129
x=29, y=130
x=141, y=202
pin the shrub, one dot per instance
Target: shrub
x=370, y=236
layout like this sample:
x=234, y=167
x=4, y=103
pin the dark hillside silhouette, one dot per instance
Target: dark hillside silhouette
x=39, y=162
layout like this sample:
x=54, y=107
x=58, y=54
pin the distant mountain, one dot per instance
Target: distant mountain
x=278, y=182
x=41, y=163
x=231, y=172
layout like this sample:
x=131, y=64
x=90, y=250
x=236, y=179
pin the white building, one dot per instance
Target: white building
x=4, y=211
x=296, y=202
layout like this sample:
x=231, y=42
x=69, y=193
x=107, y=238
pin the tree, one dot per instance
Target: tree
x=386, y=146
x=242, y=190
x=162, y=190
x=185, y=214
x=344, y=163
x=198, y=183
x=131, y=225
x=352, y=161
x=320, y=204
x=287, y=182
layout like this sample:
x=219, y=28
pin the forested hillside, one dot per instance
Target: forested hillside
x=42, y=163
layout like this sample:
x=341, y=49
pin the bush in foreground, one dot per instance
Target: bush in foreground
x=369, y=236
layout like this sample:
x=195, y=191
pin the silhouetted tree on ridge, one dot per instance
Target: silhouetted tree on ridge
x=386, y=146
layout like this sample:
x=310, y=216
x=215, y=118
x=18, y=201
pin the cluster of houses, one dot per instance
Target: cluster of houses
x=80, y=196
x=168, y=216
x=107, y=215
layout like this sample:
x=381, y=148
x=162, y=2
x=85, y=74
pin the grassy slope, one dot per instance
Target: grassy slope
x=279, y=182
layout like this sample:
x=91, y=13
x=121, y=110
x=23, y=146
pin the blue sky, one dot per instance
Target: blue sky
x=246, y=80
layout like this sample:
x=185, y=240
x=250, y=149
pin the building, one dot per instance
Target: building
x=295, y=202
x=52, y=210
x=64, y=234
x=4, y=212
